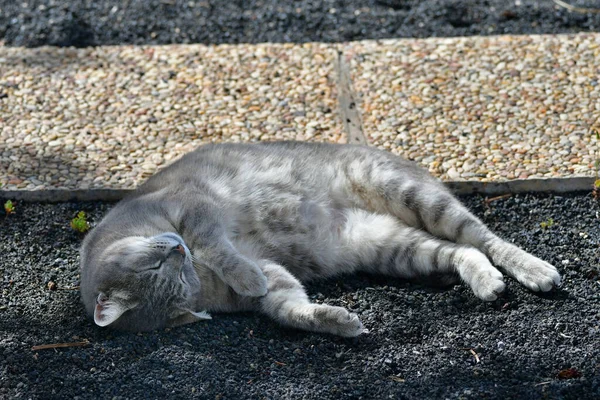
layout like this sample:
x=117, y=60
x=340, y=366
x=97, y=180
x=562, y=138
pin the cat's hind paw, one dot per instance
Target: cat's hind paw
x=536, y=275
x=489, y=285
x=476, y=270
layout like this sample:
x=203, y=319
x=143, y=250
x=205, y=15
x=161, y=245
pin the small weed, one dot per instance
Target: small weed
x=80, y=223
x=9, y=207
x=547, y=224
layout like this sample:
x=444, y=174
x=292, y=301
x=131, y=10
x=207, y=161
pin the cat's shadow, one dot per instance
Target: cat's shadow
x=418, y=293
x=363, y=280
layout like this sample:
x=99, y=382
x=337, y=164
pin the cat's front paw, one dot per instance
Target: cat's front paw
x=535, y=274
x=337, y=320
x=248, y=281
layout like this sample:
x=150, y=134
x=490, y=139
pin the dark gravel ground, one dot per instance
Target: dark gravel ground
x=93, y=22
x=419, y=346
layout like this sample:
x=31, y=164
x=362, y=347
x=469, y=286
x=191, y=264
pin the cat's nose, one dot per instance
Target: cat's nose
x=180, y=249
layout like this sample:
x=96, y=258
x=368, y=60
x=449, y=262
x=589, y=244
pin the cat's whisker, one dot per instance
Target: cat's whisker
x=119, y=233
x=197, y=260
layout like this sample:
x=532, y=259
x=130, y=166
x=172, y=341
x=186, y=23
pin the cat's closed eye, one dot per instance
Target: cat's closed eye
x=156, y=266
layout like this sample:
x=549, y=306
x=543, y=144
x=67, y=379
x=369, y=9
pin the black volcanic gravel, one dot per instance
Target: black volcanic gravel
x=420, y=346
x=100, y=22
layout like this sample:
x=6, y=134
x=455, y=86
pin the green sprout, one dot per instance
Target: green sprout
x=80, y=223
x=547, y=224
x=9, y=207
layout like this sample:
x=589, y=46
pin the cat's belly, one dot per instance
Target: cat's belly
x=302, y=237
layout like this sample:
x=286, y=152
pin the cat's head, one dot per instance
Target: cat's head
x=142, y=283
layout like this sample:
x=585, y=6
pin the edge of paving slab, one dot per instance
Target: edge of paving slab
x=550, y=185
x=546, y=185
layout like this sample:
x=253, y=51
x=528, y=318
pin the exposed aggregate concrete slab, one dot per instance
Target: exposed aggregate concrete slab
x=108, y=117
x=484, y=108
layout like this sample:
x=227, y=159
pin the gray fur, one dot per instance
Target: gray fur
x=256, y=220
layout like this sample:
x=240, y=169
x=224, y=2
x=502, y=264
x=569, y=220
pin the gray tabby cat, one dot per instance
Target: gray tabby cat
x=235, y=227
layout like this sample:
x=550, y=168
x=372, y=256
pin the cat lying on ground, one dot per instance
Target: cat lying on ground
x=235, y=227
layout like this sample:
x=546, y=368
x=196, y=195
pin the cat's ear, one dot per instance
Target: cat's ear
x=108, y=310
x=187, y=317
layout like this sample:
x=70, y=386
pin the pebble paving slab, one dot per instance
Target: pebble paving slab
x=108, y=117
x=483, y=108
x=477, y=109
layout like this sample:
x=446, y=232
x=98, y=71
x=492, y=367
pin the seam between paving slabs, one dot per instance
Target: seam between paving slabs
x=348, y=104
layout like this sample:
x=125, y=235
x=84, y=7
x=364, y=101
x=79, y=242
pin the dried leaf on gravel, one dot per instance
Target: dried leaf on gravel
x=474, y=354
x=492, y=199
x=569, y=373
x=60, y=345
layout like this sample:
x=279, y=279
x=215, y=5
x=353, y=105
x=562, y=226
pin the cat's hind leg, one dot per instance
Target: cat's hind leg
x=381, y=244
x=287, y=302
x=445, y=217
x=390, y=185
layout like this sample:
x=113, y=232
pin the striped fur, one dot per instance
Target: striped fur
x=260, y=219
